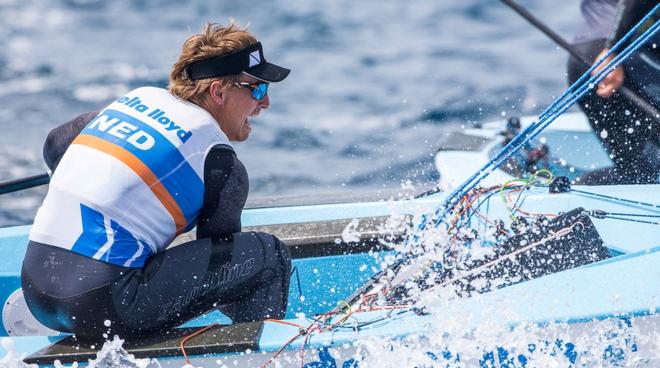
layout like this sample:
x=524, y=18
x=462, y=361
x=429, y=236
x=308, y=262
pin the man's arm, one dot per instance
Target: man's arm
x=225, y=192
x=60, y=138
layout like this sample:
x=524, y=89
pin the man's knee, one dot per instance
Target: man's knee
x=276, y=254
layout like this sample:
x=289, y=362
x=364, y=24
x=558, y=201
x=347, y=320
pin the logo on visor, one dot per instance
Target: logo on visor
x=255, y=58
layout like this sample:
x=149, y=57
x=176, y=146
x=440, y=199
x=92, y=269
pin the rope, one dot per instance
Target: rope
x=600, y=214
x=295, y=270
x=324, y=323
x=632, y=220
x=281, y=349
x=182, y=345
x=616, y=198
x=631, y=214
x=532, y=180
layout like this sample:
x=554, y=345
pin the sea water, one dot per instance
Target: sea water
x=111, y=355
x=375, y=86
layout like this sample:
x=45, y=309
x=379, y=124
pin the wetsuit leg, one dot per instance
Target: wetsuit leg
x=69, y=292
x=245, y=275
x=614, y=121
x=267, y=300
x=248, y=274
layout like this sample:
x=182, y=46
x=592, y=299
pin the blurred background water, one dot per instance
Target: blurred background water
x=375, y=84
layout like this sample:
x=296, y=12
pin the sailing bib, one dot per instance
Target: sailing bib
x=131, y=180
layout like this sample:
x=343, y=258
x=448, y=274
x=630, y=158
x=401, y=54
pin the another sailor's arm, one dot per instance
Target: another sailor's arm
x=225, y=192
x=629, y=13
x=613, y=81
x=60, y=138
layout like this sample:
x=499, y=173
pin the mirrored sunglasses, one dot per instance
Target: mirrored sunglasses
x=258, y=89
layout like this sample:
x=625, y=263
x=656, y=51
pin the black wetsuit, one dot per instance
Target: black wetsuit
x=245, y=275
x=630, y=136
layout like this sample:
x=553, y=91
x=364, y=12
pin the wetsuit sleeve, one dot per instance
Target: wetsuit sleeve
x=629, y=13
x=60, y=138
x=225, y=192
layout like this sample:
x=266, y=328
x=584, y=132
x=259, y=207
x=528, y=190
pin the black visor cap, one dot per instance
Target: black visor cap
x=268, y=72
x=249, y=60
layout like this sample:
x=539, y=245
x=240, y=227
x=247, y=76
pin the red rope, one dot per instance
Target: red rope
x=182, y=345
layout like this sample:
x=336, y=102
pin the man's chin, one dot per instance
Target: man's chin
x=247, y=129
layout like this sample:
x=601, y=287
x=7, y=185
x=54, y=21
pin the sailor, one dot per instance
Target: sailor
x=630, y=136
x=131, y=177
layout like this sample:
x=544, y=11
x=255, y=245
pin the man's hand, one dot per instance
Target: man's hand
x=612, y=81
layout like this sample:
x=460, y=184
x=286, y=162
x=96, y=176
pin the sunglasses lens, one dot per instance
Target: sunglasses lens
x=259, y=91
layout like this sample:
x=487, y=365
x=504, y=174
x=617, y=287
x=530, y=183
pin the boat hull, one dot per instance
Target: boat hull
x=614, y=302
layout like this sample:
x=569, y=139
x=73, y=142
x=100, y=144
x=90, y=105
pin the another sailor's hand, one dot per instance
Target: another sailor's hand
x=612, y=81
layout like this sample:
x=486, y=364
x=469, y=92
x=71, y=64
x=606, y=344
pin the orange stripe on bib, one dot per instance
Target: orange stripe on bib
x=141, y=170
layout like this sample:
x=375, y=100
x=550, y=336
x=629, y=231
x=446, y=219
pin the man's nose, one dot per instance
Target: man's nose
x=265, y=102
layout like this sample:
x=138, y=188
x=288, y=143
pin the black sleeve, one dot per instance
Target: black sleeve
x=225, y=192
x=629, y=13
x=60, y=138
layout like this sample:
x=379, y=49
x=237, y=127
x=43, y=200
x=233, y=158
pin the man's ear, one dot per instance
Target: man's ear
x=216, y=93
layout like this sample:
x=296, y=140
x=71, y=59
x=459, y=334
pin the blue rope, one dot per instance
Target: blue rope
x=568, y=98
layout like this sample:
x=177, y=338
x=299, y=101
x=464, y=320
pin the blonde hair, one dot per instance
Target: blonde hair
x=214, y=40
